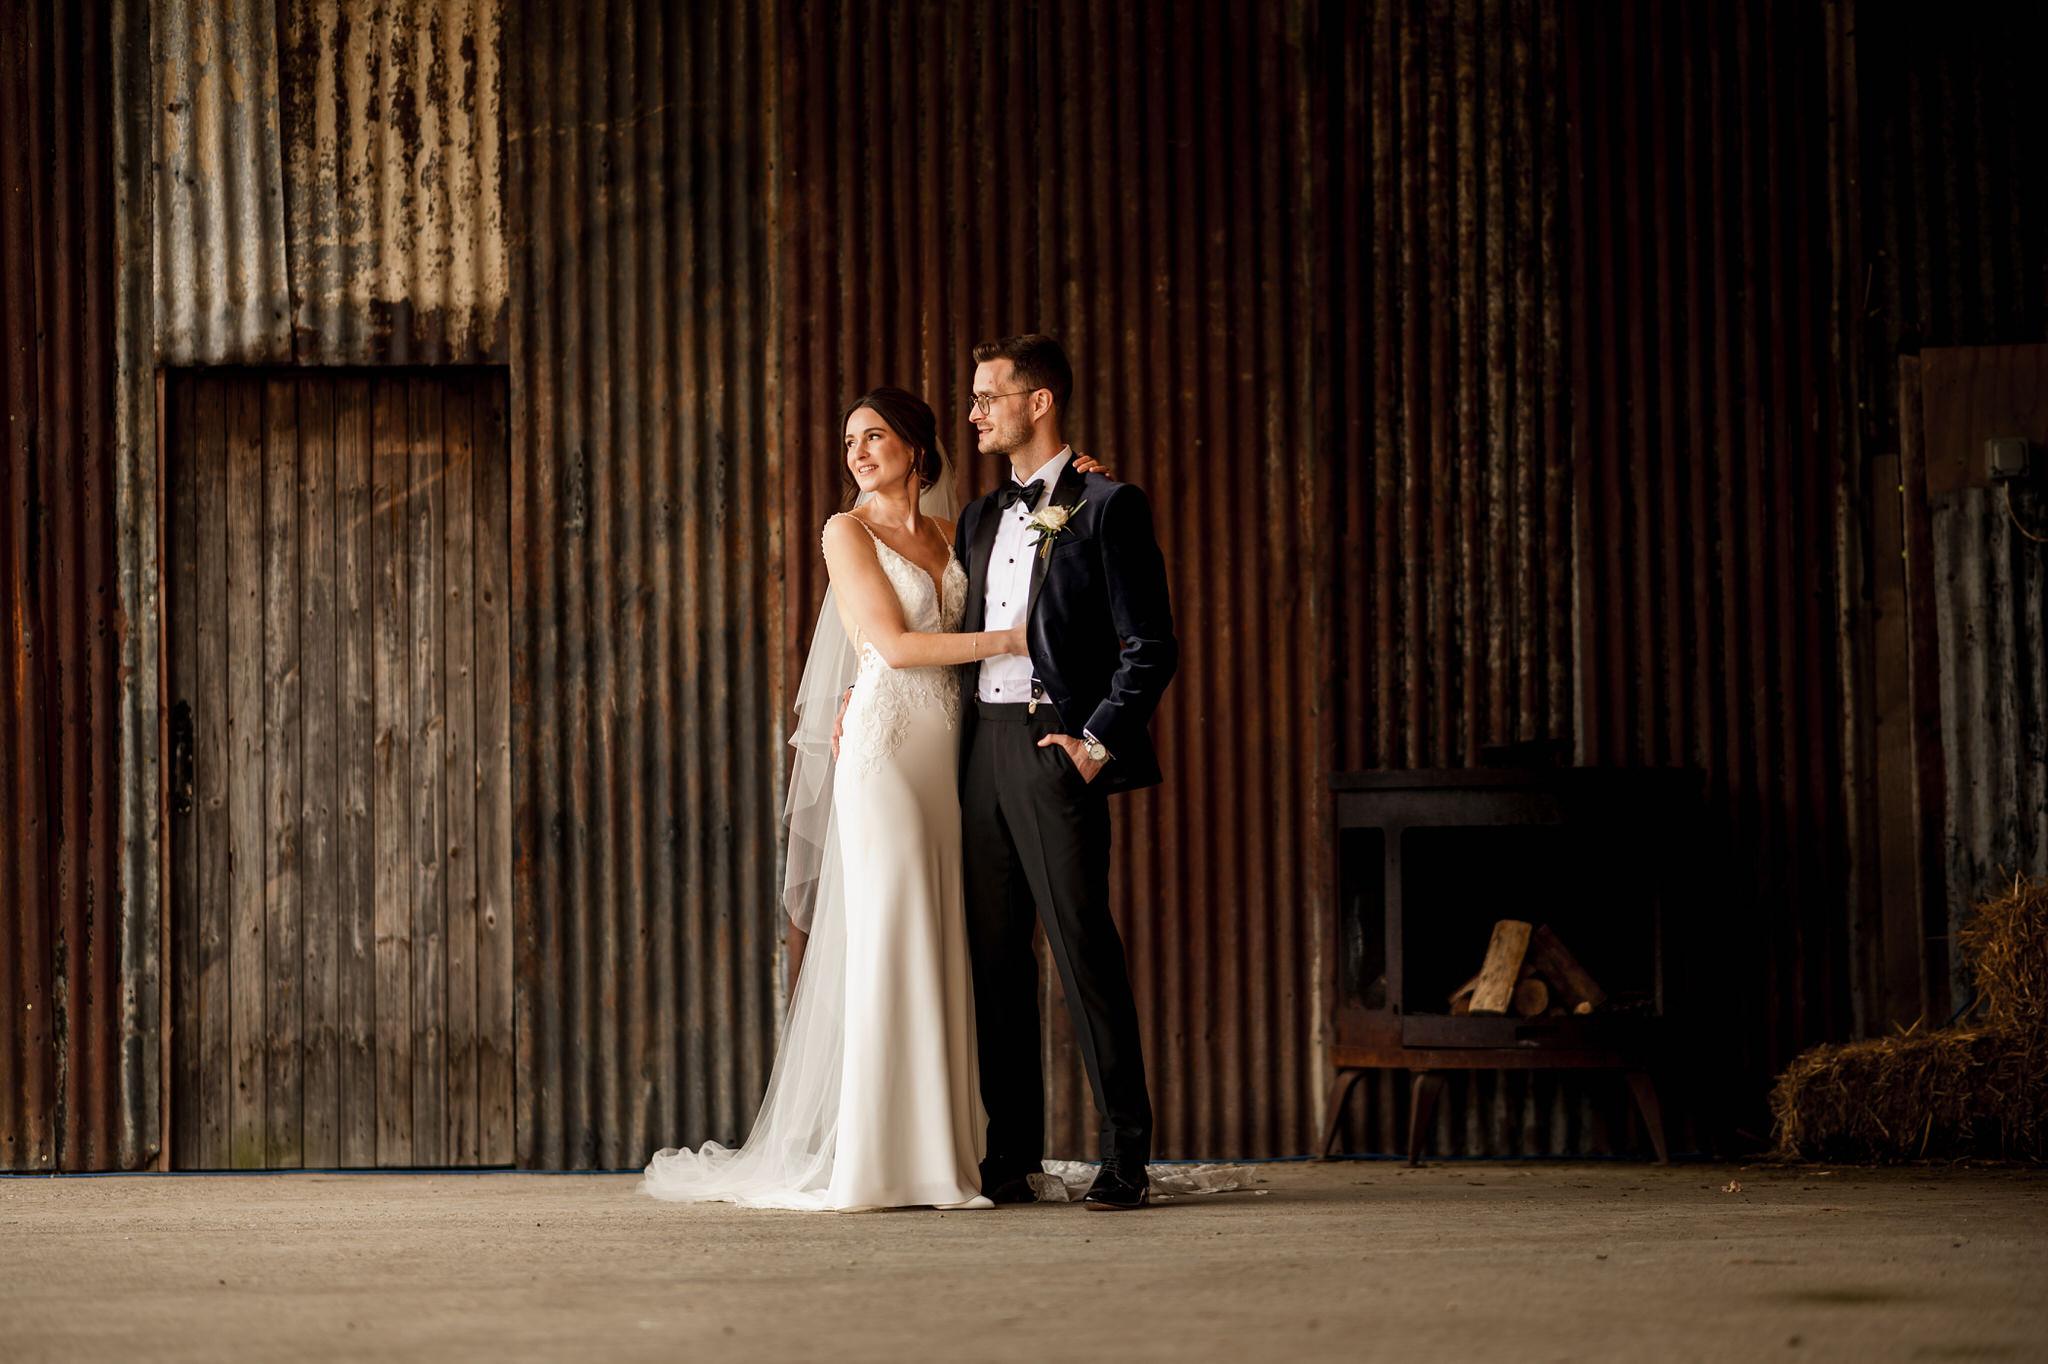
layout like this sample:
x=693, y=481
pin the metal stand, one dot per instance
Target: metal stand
x=1430, y=1081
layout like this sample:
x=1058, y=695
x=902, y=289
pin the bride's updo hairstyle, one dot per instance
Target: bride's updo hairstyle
x=910, y=417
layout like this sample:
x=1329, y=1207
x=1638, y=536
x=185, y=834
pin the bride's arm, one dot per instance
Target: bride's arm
x=871, y=612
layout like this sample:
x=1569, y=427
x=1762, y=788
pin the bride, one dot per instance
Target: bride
x=874, y=1100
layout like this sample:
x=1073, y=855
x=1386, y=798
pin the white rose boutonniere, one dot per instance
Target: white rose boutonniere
x=1049, y=521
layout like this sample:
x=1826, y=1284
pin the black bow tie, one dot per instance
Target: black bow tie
x=1011, y=493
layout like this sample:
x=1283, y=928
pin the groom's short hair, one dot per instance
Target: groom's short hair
x=1038, y=361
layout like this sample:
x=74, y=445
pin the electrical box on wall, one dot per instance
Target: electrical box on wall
x=2007, y=458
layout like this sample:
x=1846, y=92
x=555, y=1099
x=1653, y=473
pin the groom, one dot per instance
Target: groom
x=1047, y=740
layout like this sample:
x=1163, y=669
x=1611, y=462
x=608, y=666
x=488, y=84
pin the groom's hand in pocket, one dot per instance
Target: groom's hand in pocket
x=1076, y=750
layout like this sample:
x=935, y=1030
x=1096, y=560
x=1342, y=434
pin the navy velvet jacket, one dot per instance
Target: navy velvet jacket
x=1099, y=623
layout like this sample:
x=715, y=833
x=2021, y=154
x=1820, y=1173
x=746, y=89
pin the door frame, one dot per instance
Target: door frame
x=155, y=626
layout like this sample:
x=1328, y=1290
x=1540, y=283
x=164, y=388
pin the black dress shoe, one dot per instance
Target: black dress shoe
x=1117, y=1189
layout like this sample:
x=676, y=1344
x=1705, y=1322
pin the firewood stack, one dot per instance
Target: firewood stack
x=1528, y=972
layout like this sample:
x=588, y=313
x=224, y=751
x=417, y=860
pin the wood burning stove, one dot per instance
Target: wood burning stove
x=1429, y=862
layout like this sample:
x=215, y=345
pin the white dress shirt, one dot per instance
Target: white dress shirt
x=1007, y=677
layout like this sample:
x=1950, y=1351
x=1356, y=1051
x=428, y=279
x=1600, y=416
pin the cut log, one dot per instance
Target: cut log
x=1461, y=998
x=1503, y=967
x=1532, y=996
x=1569, y=981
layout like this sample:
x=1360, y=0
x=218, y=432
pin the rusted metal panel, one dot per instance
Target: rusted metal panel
x=904, y=235
x=62, y=1102
x=392, y=128
x=1705, y=490
x=1158, y=217
x=1175, y=247
x=1988, y=579
x=1451, y=397
x=647, y=762
x=1452, y=486
x=145, y=1039
x=222, y=295
x=1993, y=649
x=329, y=186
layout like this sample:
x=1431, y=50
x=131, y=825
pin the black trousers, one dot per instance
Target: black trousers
x=1037, y=850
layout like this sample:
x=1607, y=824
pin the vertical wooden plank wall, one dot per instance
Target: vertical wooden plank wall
x=341, y=865
x=243, y=950
x=496, y=1055
x=320, y=755
x=204, y=1013
x=356, y=927
x=284, y=1098
x=390, y=768
x=458, y=761
x=428, y=718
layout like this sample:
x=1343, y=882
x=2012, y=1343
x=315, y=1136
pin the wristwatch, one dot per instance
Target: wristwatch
x=1096, y=752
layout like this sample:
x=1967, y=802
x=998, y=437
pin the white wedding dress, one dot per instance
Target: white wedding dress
x=875, y=1099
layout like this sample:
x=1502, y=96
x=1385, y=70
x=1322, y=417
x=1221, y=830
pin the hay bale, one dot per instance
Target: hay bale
x=2006, y=942
x=1886, y=1099
x=1980, y=1089
x=2015, y=1096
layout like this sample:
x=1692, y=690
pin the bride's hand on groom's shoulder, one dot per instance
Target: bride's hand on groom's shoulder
x=1088, y=464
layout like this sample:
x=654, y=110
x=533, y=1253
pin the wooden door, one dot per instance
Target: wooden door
x=340, y=774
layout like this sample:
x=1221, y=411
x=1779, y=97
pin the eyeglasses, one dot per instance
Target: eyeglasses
x=981, y=400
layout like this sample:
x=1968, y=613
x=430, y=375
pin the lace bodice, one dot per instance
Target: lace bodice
x=884, y=698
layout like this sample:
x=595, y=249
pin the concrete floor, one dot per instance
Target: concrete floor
x=1353, y=1261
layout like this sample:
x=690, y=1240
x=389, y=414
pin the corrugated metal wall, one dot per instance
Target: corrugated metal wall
x=1705, y=478
x=1274, y=233
x=1179, y=257
x=62, y=939
x=1645, y=486
x=392, y=126
x=1452, y=402
x=1451, y=408
x=904, y=234
x=646, y=578
x=223, y=293
x=1950, y=167
x=1990, y=586
x=1158, y=216
x=329, y=183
